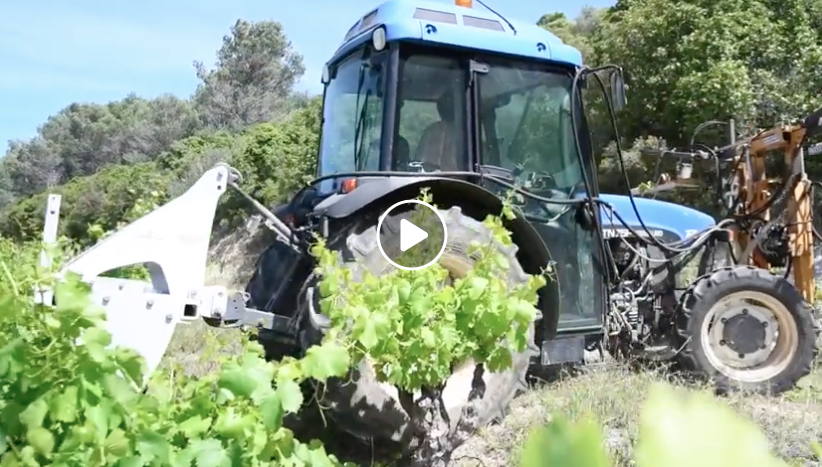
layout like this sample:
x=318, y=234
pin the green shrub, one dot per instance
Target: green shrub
x=103, y=199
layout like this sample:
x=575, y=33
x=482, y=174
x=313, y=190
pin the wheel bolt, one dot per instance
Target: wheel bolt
x=722, y=342
x=742, y=355
x=764, y=324
x=723, y=320
x=744, y=311
x=763, y=347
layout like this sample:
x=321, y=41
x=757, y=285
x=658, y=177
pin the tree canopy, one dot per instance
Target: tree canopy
x=758, y=62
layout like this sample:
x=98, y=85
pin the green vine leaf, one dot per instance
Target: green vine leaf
x=678, y=429
x=561, y=444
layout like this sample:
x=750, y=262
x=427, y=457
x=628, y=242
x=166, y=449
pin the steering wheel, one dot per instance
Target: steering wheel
x=423, y=166
x=541, y=182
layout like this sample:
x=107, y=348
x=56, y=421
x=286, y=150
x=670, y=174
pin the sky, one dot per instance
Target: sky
x=56, y=52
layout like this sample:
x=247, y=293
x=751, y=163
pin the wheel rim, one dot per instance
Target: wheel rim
x=749, y=336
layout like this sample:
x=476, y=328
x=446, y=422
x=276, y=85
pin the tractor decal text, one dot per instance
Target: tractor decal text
x=614, y=233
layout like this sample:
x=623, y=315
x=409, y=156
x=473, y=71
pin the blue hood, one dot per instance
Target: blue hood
x=655, y=214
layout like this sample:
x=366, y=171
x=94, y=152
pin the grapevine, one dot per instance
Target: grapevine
x=414, y=327
x=69, y=398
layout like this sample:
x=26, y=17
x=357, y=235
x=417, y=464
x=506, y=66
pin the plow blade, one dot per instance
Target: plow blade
x=172, y=242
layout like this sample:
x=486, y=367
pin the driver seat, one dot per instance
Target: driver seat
x=438, y=146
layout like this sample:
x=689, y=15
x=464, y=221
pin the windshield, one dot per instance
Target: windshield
x=352, y=120
x=431, y=126
x=525, y=118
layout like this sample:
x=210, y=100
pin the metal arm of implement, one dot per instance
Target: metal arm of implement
x=172, y=242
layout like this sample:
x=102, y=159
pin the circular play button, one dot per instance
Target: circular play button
x=411, y=237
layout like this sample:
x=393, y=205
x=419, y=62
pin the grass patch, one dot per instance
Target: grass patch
x=613, y=395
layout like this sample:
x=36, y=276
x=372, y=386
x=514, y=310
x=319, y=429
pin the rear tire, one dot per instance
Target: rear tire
x=764, y=348
x=371, y=410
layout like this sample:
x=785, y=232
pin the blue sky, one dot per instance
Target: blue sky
x=55, y=52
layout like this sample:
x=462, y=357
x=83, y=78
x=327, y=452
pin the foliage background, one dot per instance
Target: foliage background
x=757, y=61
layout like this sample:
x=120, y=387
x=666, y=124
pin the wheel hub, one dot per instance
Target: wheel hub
x=743, y=333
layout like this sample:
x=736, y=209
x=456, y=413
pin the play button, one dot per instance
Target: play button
x=412, y=235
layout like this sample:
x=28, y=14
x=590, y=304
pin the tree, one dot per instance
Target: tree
x=255, y=73
x=252, y=83
x=695, y=60
x=31, y=167
x=277, y=158
x=102, y=198
x=577, y=33
x=81, y=139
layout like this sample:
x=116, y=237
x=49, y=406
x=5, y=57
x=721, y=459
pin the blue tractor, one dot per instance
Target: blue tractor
x=470, y=105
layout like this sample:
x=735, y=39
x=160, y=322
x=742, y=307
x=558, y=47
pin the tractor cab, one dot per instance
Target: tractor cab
x=443, y=89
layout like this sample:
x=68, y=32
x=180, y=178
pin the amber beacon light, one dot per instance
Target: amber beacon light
x=464, y=3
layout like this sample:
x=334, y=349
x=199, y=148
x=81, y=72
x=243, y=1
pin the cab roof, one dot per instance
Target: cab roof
x=446, y=24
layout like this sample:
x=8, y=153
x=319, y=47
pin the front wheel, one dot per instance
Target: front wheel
x=746, y=329
x=371, y=410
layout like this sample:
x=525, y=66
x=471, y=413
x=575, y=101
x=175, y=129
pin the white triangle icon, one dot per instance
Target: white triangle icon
x=410, y=235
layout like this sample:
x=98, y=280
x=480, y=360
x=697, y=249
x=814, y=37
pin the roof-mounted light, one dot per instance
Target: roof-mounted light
x=378, y=39
x=464, y=3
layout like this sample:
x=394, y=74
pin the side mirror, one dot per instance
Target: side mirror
x=326, y=76
x=618, y=90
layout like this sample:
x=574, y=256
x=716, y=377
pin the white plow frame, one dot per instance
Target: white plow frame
x=172, y=242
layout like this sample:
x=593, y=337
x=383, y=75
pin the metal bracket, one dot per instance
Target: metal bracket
x=562, y=350
x=237, y=311
x=478, y=67
x=172, y=242
x=44, y=295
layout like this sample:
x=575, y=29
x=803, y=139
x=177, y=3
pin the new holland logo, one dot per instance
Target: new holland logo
x=616, y=233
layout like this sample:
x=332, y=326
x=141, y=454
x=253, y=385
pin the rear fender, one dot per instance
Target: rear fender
x=374, y=195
